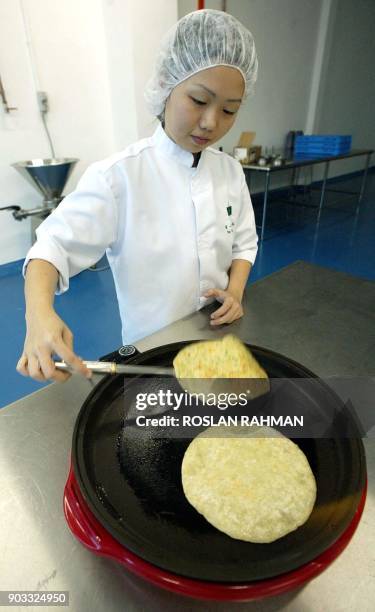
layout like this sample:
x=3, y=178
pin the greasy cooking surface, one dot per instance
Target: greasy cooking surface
x=132, y=484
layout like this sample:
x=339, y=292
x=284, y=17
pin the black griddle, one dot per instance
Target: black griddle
x=132, y=483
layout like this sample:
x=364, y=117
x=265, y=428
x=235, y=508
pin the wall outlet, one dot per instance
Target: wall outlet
x=42, y=101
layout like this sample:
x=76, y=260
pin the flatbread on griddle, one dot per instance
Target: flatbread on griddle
x=252, y=483
x=224, y=358
x=220, y=366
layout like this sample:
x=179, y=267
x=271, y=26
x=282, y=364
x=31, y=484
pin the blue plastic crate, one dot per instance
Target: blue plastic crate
x=322, y=145
x=320, y=152
x=332, y=149
x=320, y=155
x=322, y=138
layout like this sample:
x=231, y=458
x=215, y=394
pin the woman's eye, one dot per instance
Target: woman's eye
x=203, y=103
x=200, y=102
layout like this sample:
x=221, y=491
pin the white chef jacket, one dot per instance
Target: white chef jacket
x=170, y=231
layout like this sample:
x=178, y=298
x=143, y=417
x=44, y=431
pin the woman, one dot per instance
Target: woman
x=172, y=213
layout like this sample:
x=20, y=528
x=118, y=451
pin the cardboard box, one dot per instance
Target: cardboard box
x=246, y=139
x=246, y=152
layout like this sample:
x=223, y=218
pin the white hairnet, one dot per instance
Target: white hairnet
x=200, y=40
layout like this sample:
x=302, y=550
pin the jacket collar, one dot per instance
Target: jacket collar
x=170, y=148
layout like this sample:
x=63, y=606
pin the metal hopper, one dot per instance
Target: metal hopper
x=49, y=177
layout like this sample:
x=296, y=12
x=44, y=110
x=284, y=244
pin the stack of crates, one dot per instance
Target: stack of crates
x=308, y=147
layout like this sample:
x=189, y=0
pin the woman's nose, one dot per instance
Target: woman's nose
x=209, y=119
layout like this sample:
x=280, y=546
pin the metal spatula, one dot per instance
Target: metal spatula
x=110, y=367
x=251, y=387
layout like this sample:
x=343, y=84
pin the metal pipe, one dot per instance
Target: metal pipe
x=43, y=114
x=326, y=168
x=265, y=201
x=11, y=207
x=33, y=65
x=23, y=213
x=367, y=163
x=4, y=99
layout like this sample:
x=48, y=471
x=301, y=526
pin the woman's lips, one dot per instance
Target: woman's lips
x=200, y=141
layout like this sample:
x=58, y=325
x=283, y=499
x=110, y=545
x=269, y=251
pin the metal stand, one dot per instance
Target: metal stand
x=265, y=200
x=294, y=166
x=323, y=190
x=363, y=184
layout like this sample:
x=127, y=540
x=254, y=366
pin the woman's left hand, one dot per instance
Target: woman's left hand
x=230, y=310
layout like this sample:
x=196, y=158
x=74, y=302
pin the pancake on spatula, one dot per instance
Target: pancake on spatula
x=220, y=366
x=252, y=483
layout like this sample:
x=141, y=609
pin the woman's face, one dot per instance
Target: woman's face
x=205, y=105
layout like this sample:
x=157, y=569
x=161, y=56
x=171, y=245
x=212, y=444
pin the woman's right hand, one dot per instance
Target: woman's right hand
x=47, y=335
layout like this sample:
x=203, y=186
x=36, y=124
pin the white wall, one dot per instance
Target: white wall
x=67, y=45
x=92, y=57
x=347, y=98
x=133, y=31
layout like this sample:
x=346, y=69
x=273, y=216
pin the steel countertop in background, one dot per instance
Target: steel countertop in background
x=315, y=316
x=294, y=164
x=298, y=162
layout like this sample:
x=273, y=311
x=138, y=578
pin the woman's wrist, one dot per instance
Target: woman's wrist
x=238, y=276
x=38, y=313
x=40, y=285
x=236, y=292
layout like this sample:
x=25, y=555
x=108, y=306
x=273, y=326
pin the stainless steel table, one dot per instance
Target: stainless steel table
x=294, y=164
x=318, y=317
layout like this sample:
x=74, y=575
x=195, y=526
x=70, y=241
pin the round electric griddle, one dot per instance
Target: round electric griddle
x=130, y=486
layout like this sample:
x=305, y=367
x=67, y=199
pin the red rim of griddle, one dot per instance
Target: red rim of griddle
x=92, y=534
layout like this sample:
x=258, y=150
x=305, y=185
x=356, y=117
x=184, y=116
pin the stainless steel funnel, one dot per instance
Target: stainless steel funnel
x=49, y=176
